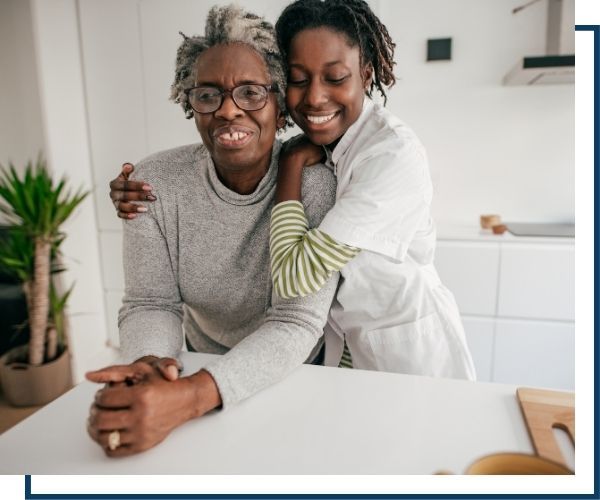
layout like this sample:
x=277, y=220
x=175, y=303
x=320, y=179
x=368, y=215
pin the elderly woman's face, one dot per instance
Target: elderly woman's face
x=236, y=139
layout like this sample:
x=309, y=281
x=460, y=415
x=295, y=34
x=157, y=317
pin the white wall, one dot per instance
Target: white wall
x=42, y=109
x=64, y=117
x=21, y=133
x=492, y=148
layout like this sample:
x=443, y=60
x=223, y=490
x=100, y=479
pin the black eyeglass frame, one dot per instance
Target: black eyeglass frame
x=271, y=88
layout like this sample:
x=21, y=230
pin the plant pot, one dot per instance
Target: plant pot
x=26, y=385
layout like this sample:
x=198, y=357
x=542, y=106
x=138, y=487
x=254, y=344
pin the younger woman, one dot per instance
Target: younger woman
x=391, y=308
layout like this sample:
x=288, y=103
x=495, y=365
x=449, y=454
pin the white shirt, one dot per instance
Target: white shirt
x=391, y=306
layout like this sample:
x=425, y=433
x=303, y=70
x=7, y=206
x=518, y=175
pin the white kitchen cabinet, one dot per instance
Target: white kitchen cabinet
x=535, y=353
x=471, y=273
x=480, y=338
x=516, y=296
x=537, y=281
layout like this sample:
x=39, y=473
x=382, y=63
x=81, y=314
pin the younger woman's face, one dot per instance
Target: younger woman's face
x=326, y=84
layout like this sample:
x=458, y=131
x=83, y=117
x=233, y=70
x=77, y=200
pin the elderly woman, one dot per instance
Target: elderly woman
x=199, y=256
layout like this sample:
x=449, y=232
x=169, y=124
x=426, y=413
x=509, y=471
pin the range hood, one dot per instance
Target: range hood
x=558, y=64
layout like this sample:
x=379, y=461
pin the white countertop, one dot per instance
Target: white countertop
x=473, y=232
x=319, y=420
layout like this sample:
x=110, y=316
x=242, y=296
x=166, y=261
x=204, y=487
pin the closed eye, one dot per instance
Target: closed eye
x=336, y=81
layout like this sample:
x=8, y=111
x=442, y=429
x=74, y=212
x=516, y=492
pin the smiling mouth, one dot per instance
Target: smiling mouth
x=235, y=136
x=232, y=138
x=319, y=120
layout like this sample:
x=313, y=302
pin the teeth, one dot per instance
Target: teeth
x=319, y=119
x=233, y=136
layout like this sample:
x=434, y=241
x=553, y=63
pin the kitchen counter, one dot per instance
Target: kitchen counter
x=319, y=420
x=472, y=232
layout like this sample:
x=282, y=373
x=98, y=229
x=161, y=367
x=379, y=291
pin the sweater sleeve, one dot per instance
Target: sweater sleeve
x=283, y=342
x=150, y=319
x=302, y=259
x=291, y=328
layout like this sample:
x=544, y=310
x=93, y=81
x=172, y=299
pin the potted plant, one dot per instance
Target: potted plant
x=36, y=207
x=13, y=306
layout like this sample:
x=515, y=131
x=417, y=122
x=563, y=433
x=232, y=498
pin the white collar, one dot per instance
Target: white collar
x=352, y=132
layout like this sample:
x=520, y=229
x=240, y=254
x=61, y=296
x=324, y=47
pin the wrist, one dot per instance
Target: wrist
x=292, y=163
x=289, y=181
x=203, y=393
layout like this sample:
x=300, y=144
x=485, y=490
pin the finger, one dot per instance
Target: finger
x=115, y=398
x=126, y=207
x=129, y=196
x=118, y=178
x=126, y=438
x=124, y=215
x=168, y=368
x=119, y=373
x=122, y=451
x=101, y=438
x=126, y=441
x=121, y=184
x=126, y=169
x=91, y=430
x=110, y=374
x=106, y=420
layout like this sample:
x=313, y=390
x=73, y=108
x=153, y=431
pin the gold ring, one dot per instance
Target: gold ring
x=114, y=440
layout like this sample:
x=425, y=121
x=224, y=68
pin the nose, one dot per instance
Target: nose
x=315, y=95
x=228, y=110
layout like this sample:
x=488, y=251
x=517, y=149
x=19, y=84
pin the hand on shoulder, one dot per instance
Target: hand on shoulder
x=299, y=151
x=125, y=192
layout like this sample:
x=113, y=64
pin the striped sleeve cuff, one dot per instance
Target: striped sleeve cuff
x=302, y=259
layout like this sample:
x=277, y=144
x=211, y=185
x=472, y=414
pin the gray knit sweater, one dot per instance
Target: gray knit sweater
x=200, y=258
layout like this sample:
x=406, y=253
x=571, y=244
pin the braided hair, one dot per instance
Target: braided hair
x=356, y=21
x=225, y=25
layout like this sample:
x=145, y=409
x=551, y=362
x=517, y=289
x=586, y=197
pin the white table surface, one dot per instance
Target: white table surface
x=319, y=420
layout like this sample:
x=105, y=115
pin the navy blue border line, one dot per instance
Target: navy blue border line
x=595, y=495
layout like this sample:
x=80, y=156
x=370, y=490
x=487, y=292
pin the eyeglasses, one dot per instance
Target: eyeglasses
x=205, y=99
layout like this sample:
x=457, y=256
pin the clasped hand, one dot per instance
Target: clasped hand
x=144, y=401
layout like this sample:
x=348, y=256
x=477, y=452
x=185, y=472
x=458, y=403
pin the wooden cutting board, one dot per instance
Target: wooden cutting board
x=545, y=410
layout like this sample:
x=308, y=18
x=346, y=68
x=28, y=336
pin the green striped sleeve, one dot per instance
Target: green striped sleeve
x=302, y=259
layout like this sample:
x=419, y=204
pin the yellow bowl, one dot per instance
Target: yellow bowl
x=516, y=464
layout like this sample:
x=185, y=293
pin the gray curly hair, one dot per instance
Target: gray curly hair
x=225, y=25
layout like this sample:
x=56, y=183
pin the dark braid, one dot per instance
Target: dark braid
x=354, y=19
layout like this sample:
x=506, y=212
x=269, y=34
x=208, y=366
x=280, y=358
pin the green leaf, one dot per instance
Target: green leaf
x=36, y=206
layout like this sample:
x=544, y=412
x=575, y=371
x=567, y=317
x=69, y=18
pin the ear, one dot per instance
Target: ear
x=280, y=120
x=367, y=76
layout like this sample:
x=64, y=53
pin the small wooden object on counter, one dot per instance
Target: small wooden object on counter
x=499, y=229
x=489, y=221
x=543, y=411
